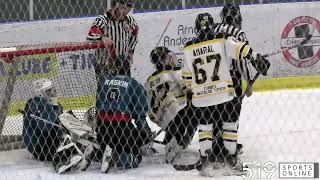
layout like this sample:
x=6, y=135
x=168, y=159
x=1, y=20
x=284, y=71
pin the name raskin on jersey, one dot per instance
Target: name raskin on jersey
x=203, y=50
x=117, y=83
x=211, y=89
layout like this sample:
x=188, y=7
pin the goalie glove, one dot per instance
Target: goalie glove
x=76, y=127
x=90, y=117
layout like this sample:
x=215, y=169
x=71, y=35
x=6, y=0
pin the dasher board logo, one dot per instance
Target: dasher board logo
x=293, y=34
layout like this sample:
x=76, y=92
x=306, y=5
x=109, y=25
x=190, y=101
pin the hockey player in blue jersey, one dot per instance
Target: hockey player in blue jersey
x=41, y=138
x=51, y=135
x=119, y=100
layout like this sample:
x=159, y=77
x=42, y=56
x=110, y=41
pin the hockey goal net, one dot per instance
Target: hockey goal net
x=68, y=65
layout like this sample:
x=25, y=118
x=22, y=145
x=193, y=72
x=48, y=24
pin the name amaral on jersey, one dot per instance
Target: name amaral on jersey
x=117, y=83
x=203, y=50
x=209, y=64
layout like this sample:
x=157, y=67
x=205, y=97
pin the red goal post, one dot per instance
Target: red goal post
x=15, y=90
x=24, y=50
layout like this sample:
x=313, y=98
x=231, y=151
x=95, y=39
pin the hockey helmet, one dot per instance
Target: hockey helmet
x=45, y=88
x=204, y=23
x=230, y=14
x=163, y=58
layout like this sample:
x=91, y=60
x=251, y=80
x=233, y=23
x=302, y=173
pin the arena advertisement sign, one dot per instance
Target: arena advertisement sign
x=295, y=32
x=264, y=38
x=34, y=66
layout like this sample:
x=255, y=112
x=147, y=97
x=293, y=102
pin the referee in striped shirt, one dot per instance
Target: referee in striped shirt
x=118, y=30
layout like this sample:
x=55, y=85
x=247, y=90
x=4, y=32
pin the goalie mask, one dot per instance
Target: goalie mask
x=163, y=58
x=45, y=88
x=204, y=23
x=231, y=15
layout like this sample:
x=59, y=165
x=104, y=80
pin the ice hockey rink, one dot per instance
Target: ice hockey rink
x=279, y=126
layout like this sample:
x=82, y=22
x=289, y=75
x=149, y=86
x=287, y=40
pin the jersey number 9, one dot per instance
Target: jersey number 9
x=212, y=60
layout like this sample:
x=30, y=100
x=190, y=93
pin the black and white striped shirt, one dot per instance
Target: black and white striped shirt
x=123, y=34
x=230, y=30
x=239, y=68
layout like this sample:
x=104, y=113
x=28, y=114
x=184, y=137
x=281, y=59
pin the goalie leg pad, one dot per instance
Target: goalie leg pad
x=106, y=160
x=67, y=157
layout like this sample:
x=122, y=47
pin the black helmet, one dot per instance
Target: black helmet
x=158, y=54
x=204, y=23
x=128, y=3
x=120, y=66
x=230, y=14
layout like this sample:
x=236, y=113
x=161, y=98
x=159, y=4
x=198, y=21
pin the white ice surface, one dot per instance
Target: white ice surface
x=281, y=126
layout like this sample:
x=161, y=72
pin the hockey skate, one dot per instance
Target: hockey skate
x=234, y=166
x=88, y=157
x=107, y=160
x=209, y=165
x=239, y=149
x=173, y=150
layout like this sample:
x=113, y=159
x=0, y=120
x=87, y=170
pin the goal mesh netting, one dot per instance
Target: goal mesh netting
x=273, y=125
x=68, y=65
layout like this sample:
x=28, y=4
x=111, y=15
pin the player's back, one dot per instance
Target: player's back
x=209, y=63
x=120, y=94
x=166, y=96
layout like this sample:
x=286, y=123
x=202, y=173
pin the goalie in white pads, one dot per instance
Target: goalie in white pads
x=79, y=145
x=42, y=139
x=51, y=135
x=208, y=59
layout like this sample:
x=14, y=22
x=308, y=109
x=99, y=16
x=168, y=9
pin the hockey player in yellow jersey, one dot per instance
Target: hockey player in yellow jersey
x=208, y=60
x=167, y=102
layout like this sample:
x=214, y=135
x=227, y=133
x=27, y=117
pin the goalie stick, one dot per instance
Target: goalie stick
x=46, y=121
x=303, y=42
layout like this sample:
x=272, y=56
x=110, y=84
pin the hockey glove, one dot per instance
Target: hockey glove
x=261, y=64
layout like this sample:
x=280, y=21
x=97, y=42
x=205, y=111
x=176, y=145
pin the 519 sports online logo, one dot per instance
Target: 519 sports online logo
x=285, y=170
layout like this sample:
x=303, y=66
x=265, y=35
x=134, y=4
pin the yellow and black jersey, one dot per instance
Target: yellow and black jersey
x=207, y=69
x=166, y=96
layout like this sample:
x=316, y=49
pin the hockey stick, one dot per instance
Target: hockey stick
x=303, y=42
x=46, y=121
x=164, y=32
x=153, y=140
x=186, y=167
